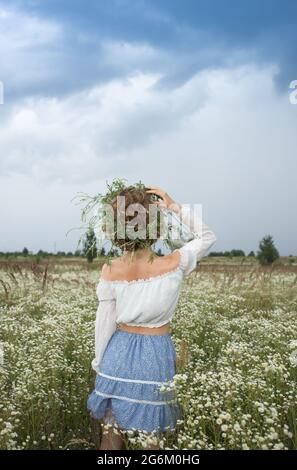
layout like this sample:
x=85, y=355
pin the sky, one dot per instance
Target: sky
x=190, y=96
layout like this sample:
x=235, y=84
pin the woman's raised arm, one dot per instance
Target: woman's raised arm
x=197, y=235
x=196, y=238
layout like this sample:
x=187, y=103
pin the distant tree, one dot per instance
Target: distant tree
x=227, y=253
x=69, y=253
x=267, y=253
x=216, y=253
x=90, y=248
x=41, y=253
x=251, y=253
x=77, y=253
x=25, y=251
x=237, y=253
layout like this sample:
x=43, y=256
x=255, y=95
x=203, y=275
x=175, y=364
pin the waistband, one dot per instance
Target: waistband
x=118, y=331
x=153, y=331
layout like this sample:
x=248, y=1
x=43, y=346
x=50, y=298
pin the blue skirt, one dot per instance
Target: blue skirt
x=128, y=390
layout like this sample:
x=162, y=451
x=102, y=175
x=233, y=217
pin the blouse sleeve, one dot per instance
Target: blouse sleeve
x=199, y=238
x=105, y=324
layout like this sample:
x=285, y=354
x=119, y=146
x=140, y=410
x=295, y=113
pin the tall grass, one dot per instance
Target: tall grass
x=235, y=332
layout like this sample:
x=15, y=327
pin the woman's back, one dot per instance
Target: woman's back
x=141, y=267
x=145, y=293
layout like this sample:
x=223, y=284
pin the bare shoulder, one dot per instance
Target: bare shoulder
x=113, y=270
x=107, y=271
x=121, y=269
x=172, y=260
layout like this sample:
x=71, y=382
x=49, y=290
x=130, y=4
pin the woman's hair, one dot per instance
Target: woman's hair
x=136, y=209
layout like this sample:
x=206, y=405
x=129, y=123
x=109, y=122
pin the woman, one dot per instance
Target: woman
x=135, y=354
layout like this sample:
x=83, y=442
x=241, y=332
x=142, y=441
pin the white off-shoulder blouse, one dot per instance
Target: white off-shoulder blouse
x=149, y=302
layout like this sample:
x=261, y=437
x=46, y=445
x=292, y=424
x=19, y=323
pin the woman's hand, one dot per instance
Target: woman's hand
x=166, y=200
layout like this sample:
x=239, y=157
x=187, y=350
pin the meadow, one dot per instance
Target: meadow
x=235, y=332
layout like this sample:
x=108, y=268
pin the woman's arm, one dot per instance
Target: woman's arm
x=196, y=237
x=105, y=324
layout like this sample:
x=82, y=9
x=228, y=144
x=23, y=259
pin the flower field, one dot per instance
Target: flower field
x=235, y=332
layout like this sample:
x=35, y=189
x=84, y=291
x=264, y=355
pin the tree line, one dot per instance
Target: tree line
x=266, y=254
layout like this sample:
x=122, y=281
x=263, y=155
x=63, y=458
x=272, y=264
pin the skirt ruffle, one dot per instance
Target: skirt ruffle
x=128, y=387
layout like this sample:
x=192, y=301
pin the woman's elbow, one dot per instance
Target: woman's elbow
x=211, y=240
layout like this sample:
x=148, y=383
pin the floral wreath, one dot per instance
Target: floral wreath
x=95, y=222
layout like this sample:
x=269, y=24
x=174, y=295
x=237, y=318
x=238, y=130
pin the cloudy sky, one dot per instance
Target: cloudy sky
x=191, y=96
